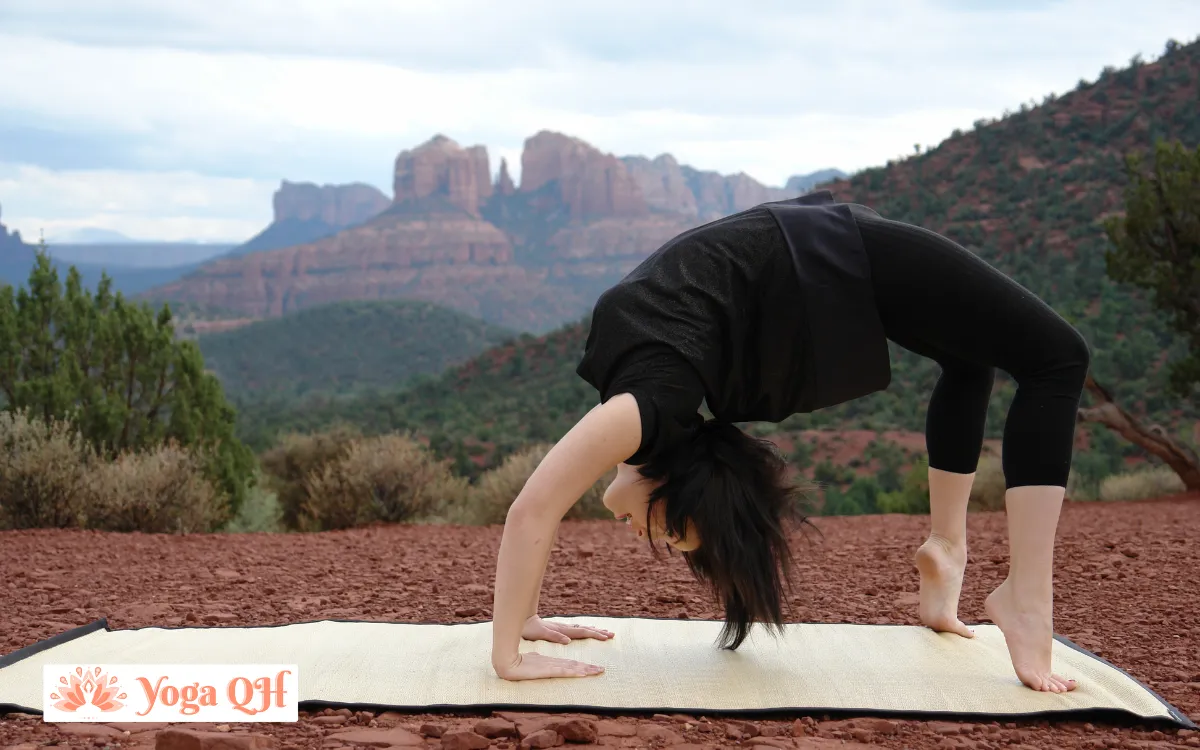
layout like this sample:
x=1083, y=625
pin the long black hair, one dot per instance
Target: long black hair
x=733, y=490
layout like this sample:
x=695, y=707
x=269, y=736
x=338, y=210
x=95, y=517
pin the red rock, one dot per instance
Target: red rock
x=575, y=730
x=613, y=728
x=663, y=184
x=464, y=740
x=504, y=182
x=186, y=739
x=496, y=727
x=333, y=719
x=443, y=169
x=770, y=742
x=821, y=743
x=85, y=729
x=390, y=718
x=432, y=730
x=337, y=206
x=542, y=738
x=879, y=726
x=945, y=727
x=468, y=611
x=378, y=737
x=656, y=733
x=133, y=727
x=588, y=182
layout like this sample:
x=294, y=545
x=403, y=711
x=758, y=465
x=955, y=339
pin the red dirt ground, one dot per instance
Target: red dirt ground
x=1126, y=585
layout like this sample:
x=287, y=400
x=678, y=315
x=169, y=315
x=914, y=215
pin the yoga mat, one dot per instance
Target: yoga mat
x=652, y=664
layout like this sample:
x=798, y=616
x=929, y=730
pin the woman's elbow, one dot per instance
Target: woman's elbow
x=528, y=508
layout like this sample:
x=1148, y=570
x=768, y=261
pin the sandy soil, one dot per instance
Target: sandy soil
x=1126, y=583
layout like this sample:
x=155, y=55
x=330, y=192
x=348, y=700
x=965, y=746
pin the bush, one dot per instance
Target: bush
x=289, y=464
x=489, y=500
x=913, y=496
x=43, y=471
x=260, y=513
x=389, y=479
x=988, y=489
x=1140, y=485
x=159, y=491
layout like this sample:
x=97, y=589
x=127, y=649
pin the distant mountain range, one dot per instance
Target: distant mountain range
x=17, y=259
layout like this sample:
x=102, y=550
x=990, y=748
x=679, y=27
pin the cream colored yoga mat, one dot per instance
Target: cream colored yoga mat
x=652, y=664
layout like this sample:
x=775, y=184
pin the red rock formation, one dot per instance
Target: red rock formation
x=378, y=259
x=606, y=239
x=504, y=183
x=590, y=183
x=718, y=195
x=440, y=167
x=335, y=205
x=663, y=184
x=432, y=242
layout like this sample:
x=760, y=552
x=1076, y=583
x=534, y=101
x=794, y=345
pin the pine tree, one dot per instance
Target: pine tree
x=117, y=373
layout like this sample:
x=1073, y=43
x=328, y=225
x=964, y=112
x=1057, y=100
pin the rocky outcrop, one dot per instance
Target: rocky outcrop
x=719, y=195
x=335, y=206
x=504, y=183
x=385, y=257
x=589, y=183
x=440, y=167
x=662, y=183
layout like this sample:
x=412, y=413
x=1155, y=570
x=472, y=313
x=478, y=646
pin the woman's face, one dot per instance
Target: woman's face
x=628, y=497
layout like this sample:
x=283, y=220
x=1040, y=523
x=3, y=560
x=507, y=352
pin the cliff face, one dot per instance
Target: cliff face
x=305, y=212
x=530, y=256
x=337, y=206
x=440, y=167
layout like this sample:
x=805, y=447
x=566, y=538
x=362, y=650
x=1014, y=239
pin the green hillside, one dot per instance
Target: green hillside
x=344, y=348
x=1026, y=192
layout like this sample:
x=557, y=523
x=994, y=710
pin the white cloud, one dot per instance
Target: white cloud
x=146, y=205
x=331, y=92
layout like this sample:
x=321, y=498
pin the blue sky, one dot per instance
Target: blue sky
x=177, y=120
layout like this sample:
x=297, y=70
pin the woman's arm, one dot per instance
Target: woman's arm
x=606, y=436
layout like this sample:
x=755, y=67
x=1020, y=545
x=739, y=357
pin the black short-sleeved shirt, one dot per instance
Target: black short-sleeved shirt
x=763, y=314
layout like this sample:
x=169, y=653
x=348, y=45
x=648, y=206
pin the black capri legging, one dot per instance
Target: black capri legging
x=939, y=300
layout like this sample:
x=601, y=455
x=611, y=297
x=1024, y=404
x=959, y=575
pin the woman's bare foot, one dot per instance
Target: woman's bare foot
x=1028, y=629
x=941, y=564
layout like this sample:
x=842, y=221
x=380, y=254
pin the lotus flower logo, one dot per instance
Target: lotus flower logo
x=92, y=687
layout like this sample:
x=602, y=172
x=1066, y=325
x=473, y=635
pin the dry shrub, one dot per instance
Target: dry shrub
x=1155, y=482
x=43, y=470
x=389, y=479
x=490, y=499
x=157, y=491
x=987, y=491
x=288, y=466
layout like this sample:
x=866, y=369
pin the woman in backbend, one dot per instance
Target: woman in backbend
x=786, y=308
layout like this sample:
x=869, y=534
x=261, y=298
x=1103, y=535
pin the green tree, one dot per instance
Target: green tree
x=1157, y=245
x=115, y=371
x=1157, y=248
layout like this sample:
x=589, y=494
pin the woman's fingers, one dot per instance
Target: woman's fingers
x=583, y=631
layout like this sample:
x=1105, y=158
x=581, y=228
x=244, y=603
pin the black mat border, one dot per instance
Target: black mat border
x=1178, y=718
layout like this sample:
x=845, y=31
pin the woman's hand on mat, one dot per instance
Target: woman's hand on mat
x=534, y=666
x=537, y=629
